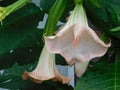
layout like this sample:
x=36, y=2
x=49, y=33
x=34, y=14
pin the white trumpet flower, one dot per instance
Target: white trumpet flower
x=76, y=41
x=45, y=70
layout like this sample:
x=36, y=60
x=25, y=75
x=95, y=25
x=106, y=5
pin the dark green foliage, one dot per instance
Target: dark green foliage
x=11, y=79
x=4, y=3
x=46, y=4
x=105, y=17
x=102, y=76
x=21, y=43
x=18, y=26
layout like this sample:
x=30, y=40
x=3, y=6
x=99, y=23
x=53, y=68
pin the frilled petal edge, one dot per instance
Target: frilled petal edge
x=76, y=43
x=39, y=79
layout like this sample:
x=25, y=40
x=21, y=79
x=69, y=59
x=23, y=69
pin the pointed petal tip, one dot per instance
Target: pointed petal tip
x=26, y=75
x=80, y=68
x=62, y=79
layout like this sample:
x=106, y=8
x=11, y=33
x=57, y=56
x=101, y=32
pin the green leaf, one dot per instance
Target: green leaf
x=106, y=17
x=60, y=60
x=11, y=78
x=46, y=4
x=24, y=56
x=34, y=39
x=115, y=29
x=28, y=51
x=95, y=2
x=18, y=26
x=115, y=14
x=4, y=3
x=69, y=7
x=102, y=76
x=21, y=56
x=54, y=15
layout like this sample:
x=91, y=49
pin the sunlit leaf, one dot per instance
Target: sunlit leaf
x=115, y=29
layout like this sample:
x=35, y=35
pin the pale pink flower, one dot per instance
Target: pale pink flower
x=76, y=41
x=45, y=70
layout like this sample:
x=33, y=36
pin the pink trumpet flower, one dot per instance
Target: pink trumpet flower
x=45, y=70
x=77, y=42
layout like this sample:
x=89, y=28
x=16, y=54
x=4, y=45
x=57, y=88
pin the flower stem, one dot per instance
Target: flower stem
x=78, y=15
x=17, y=5
x=54, y=15
x=5, y=11
x=78, y=1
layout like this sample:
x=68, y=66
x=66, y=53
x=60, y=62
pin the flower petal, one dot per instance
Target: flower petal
x=53, y=42
x=80, y=68
x=45, y=70
x=60, y=78
x=83, y=47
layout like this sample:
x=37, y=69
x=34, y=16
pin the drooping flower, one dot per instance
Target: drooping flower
x=76, y=41
x=45, y=70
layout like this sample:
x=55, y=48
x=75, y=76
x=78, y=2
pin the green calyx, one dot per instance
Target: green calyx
x=2, y=11
x=78, y=14
x=78, y=1
x=54, y=15
x=5, y=11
